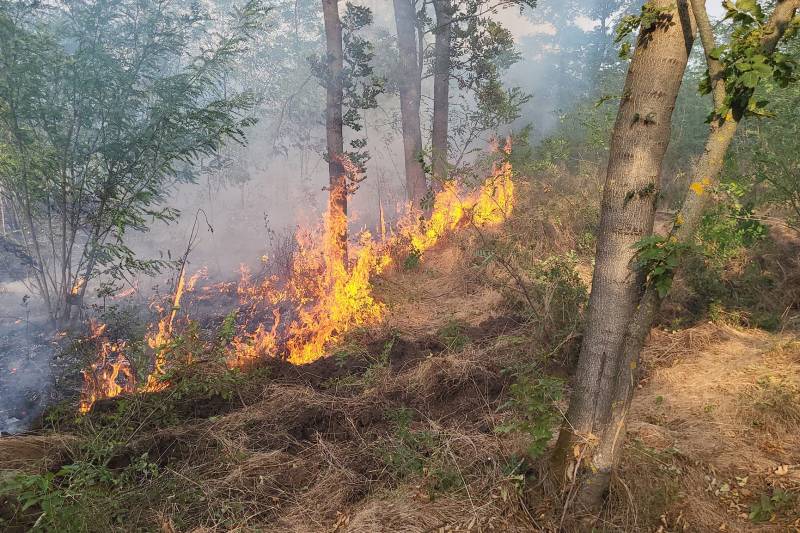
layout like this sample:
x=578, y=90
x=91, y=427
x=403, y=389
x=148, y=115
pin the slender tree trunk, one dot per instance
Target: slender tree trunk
x=639, y=140
x=441, y=89
x=337, y=204
x=705, y=176
x=410, y=86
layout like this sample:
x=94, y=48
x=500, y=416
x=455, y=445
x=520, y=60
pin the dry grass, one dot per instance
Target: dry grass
x=706, y=430
x=447, y=286
x=328, y=456
x=34, y=452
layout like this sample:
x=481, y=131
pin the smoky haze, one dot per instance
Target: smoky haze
x=251, y=195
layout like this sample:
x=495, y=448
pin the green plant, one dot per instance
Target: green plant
x=658, y=257
x=744, y=65
x=413, y=259
x=649, y=18
x=419, y=452
x=730, y=226
x=533, y=404
x=769, y=505
x=80, y=496
x=453, y=336
x=551, y=296
x=92, y=118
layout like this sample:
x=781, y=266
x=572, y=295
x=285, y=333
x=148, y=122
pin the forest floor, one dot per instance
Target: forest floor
x=397, y=431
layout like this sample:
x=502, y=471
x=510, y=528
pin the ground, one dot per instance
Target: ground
x=397, y=431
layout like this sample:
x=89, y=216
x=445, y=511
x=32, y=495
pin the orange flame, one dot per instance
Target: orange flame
x=159, y=339
x=101, y=380
x=326, y=294
x=328, y=299
x=76, y=288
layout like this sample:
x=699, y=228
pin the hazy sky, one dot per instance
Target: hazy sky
x=522, y=26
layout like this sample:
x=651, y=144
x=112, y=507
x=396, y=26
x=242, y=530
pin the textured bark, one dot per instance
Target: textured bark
x=705, y=176
x=639, y=140
x=337, y=202
x=410, y=87
x=441, y=89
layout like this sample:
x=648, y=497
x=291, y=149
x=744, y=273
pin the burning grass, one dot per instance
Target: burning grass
x=295, y=451
x=397, y=429
x=324, y=297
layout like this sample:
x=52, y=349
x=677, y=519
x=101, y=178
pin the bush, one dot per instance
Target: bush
x=551, y=300
x=533, y=404
x=727, y=273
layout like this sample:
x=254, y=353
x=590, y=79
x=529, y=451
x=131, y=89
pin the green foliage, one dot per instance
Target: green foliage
x=729, y=226
x=360, y=86
x=533, y=403
x=218, y=384
x=453, y=336
x=412, y=260
x=724, y=270
x=481, y=50
x=658, y=257
x=552, y=300
x=765, y=160
x=647, y=20
x=769, y=504
x=413, y=452
x=95, y=129
x=744, y=65
x=70, y=498
x=227, y=330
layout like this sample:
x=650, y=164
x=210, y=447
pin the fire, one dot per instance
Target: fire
x=325, y=296
x=76, y=288
x=329, y=299
x=102, y=379
x=159, y=339
x=492, y=203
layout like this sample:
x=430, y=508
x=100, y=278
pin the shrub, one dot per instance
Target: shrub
x=533, y=404
x=551, y=296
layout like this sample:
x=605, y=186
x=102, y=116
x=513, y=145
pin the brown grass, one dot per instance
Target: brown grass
x=707, y=437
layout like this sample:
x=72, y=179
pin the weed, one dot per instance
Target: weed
x=78, y=497
x=452, y=335
x=419, y=452
x=532, y=403
x=412, y=260
x=769, y=505
x=552, y=300
x=774, y=403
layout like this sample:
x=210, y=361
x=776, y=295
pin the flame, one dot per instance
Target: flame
x=159, y=339
x=101, y=379
x=490, y=204
x=76, y=288
x=329, y=299
x=202, y=273
x=328, y=293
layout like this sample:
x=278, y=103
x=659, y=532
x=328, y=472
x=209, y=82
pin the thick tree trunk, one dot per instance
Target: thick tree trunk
x=410, y=86
x=441, y=89
x=337, y=204
x=639, y=140
x=705, y=177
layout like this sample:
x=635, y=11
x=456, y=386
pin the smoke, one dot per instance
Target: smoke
x=25, y=358
x=244, y=198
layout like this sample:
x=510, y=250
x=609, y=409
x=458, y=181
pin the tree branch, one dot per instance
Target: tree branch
x=709, y=43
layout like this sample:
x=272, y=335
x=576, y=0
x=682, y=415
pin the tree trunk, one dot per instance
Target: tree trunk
x=337, y=204
x=639, y=140
x=705, y=176
x=410, y=86
x=441, y=90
